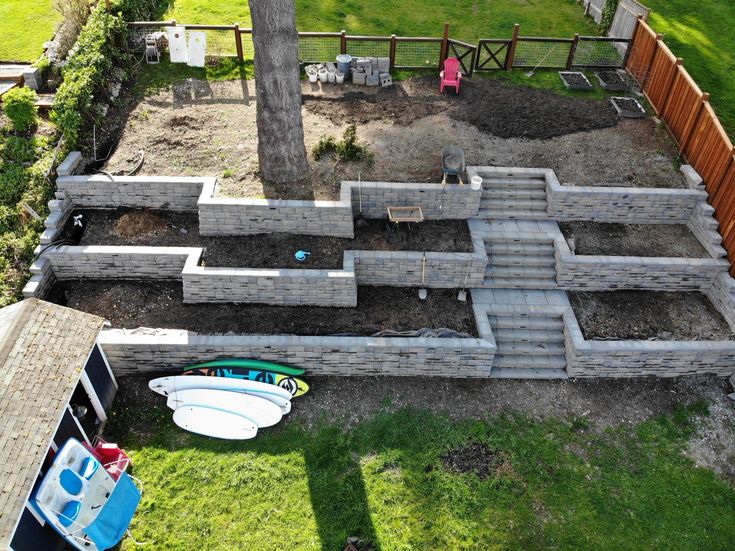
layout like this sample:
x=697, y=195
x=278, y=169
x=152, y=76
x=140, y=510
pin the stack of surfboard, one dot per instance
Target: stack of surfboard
x=231, y=398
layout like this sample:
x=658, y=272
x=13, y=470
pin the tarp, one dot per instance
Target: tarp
x=113, y=520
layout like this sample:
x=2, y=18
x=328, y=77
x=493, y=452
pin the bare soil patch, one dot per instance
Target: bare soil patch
x=160, y=304
x=645, y=315
x=274, y=250
x=650, y=240
x=215, y=134
x=475, y=458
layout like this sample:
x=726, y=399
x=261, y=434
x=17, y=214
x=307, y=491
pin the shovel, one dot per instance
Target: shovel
x=423, y=292
x=532, y=72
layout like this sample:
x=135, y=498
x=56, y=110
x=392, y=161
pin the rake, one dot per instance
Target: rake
x=532, y=72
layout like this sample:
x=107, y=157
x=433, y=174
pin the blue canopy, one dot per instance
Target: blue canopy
x=113, y=520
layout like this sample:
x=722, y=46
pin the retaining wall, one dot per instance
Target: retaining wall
x=101, y=262
x=722, y=296
x=643, y=358
x=160, y=350
x=274, y=287
x=605, y=273
x=154, y=192
x=626, y=205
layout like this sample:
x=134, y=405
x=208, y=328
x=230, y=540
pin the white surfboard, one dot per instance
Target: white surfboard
x=259, y=410
x=273, y=393
x=216, y=423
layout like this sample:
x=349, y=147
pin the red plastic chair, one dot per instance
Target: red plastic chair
x=450, y=76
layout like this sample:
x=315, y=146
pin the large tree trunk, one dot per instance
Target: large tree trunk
x=281, y=150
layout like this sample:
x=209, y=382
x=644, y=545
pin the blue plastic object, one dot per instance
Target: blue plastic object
x=114, y=518
x=70, y=513
x=71, y=482
x=302, y=255
x=89, y=467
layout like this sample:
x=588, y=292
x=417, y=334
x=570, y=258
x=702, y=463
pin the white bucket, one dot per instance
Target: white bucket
x=340, y=77
x=476, y=182
x=332, y=77
x=312, y=77
x=323, y=75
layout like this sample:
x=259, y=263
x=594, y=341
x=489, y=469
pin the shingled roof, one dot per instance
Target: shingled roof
x=43, y=349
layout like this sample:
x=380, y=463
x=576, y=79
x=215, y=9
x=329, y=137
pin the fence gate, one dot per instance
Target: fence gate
x=492, y=54
x=465, y=54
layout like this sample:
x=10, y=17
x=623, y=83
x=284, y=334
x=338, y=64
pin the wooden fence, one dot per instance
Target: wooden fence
x=692, y=122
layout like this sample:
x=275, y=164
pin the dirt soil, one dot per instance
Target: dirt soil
x=135, y=304
x=276, y=250
x=576, y=81
x=650, y=240
x=213, y=133
x=644, y=315
x=604, y=403
x=473, y=458
x=613, y=81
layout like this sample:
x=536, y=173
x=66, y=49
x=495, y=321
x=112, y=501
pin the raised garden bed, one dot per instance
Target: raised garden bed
x=612, y=81
x=628, y=108
x=137, y=227
x=647, y=240
x=160, y=304
x=574, y=80
x=642, y=315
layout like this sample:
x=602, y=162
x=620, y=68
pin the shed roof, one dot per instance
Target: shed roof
x=43, y=349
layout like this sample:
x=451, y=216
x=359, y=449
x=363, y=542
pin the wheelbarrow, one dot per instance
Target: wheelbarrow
x=453, y=163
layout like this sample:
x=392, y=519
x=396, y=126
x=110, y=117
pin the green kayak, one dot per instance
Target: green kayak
x=250, y=364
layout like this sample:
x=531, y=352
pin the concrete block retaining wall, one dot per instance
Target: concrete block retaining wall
x=275, y=287
x=437, y=201
x=605, y=273
x=703, y=226
x=643, y=358
x=618, y=204
x=101, y=262
x=154, y=192
x=130, y=353
x=41, y=281
x=722, y=295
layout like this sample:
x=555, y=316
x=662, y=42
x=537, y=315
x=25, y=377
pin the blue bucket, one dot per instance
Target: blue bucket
x=343, y=63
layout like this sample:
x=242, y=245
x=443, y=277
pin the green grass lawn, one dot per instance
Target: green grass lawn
x=553, y=485
x=24, y=26
x=469, y=19
x=703, y=34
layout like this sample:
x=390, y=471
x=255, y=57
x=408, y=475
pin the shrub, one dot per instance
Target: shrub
x=608, y=14
x=348, y=149
x=19, y=106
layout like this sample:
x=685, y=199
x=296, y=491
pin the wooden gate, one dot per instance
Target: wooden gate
x=492, y=53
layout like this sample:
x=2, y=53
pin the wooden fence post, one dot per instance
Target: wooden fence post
x=343, y=42
x=572, y=50
x=445, y=46
x=392, y=53
x=669, y=86
x=692, y=123
x=238, y=43
x=512, y=51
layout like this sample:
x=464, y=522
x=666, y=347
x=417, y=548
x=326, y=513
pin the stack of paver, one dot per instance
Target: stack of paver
x=371, y=71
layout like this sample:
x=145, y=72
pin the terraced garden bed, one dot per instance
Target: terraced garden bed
x=160, y=304
x=136, y=227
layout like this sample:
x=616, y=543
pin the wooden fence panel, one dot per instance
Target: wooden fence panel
x=684, y=101
x=659, y=77
x=642, y=50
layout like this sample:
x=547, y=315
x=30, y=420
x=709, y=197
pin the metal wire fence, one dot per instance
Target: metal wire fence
x=317, y=48
x=546, y=53
x=418, y=53
x=368, y=47
x=595, y=52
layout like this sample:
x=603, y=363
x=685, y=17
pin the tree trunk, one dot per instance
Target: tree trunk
x=281, y=150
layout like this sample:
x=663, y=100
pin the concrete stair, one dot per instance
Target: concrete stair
x=510, y=198
x=530, y=345
x=520, y=261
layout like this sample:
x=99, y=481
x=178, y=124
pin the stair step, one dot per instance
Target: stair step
x=492, y=182
x=507, y=214
x=514, y=204
x=522, y=260
x=531, y=348
x=534, y=362
x=527, y=373
x=525, y=272
x=515, y=283
x=519, y=247
x=513, y=193
x=528, y=336
x=522, y=322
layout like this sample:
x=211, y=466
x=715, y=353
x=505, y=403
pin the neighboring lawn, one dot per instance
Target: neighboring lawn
x=551, y=484
x=24, y=26
x=469, y=19
x=703, y=34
